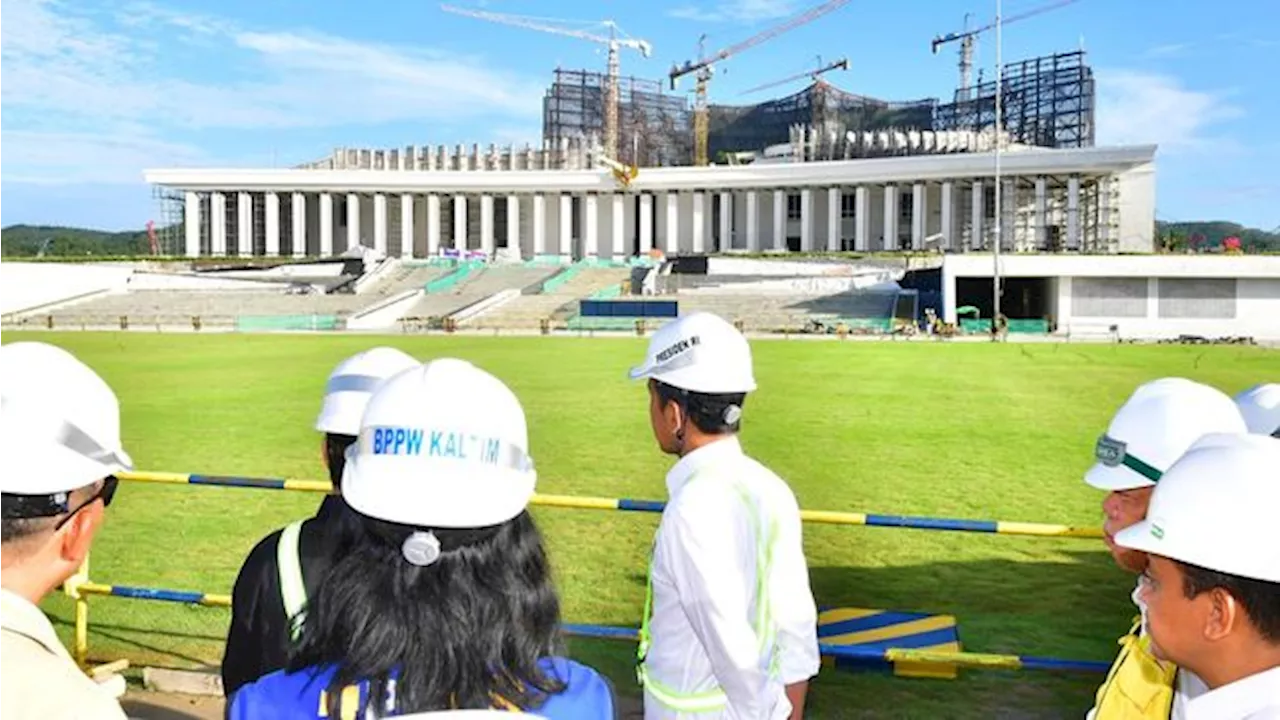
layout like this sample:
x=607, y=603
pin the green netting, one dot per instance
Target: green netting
x=881, y=324
x=607, y=293
x=544, y=260
x=250, y=323
x=554, y=282
x=445, y=282
x=1022, y=326
x=578, y=322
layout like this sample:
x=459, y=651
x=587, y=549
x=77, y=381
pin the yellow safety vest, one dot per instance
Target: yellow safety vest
x=1139, y=686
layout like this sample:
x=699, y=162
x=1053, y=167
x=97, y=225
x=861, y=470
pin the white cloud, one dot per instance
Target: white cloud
x=1142, y=107
x=95, y=86
x=740, y=11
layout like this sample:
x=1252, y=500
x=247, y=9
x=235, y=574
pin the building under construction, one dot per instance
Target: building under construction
x=1048, y=102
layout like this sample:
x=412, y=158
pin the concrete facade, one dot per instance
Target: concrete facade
x=1096, y=200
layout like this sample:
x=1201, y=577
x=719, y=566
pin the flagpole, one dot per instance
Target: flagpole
x=995, y=254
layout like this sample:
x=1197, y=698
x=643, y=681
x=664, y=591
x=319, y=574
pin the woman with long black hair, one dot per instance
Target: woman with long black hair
x=445, y=598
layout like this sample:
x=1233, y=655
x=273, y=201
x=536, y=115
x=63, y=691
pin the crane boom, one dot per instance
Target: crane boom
x=841, y=64
x=702, y=68
x=950, y=37
x=794, y=22
x=612, y=41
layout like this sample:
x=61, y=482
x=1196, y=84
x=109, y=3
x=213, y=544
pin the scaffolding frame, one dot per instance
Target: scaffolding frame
x=1047, y=101
x=654, y=128
x=170, y=221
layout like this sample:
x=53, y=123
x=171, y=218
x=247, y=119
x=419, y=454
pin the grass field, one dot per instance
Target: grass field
x=955, y=430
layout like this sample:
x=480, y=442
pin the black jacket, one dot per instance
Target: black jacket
x=258, y=641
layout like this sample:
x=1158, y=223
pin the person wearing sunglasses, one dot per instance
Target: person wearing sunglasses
x=60, y=448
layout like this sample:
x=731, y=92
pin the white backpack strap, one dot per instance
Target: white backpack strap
x=293, y=591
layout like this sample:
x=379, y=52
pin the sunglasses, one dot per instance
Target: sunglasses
x=106, y=491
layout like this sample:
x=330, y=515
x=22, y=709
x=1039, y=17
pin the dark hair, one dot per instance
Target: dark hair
x=13, y=529
x=335, y=447
x=459, y=633
x=706, y=410
x=1261, y=599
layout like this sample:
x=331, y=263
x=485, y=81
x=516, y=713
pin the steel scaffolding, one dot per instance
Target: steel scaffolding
x=653, y=128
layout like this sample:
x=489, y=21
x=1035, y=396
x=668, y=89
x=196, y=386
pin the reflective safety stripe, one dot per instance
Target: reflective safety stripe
x=766, y=633
x=293, y=591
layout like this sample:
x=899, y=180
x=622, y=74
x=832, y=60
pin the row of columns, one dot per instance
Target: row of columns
x=662, y=227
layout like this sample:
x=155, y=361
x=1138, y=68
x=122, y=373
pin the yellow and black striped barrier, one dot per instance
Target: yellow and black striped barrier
x=827, y=517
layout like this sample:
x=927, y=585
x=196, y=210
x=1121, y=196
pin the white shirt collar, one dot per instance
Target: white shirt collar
x=18, y=615
x=1240, y=699
x=713, y=452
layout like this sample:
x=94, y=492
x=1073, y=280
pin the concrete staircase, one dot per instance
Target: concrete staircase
x=794, y=312
x=475, y=288
x=527, y=311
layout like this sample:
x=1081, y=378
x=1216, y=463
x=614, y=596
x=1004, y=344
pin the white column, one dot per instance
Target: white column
x=591, y=226
x=1042, y=223
x=539, y=225
x=978, y=210
x=566, y=225
x=244, y=226
x=353, y=220
x=806, y=220
x=948, y=215
x=753, y=221
x=487, y=242
x=835, y=214
x=861, y=219
x=1073, y=212
x=919, y=214
x=699, y=242
x=646, y=223
x=779, y=220
x=326, y=224
x=192, y=222
x=406, y=223
x=460, y=222
x=380, y=222
x=619, y=217
x=672, y=238
x=299, y=220
x=726, y=221
x=273, y=224
x=513, y=223
x=890, y=217
x=218, y=224
x=433, y=225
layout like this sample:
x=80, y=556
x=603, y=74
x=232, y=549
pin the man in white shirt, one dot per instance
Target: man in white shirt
x=730, y=625
x=1212, y=586
x=1158, y=422
x=60, y=445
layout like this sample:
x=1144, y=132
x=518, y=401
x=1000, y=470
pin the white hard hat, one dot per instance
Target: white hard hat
x=1215, y=508
x=700, y=352
x=352, y=382
x=1154, y=427
x=441, y=445
x=1260, y=406
x=59, y=422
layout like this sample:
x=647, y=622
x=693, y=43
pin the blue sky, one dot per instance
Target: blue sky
x=95, y=92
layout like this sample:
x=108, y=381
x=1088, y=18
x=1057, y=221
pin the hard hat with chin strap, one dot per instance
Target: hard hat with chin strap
x=700, y=353
x=1158, y=422
x=1260, y=406
x=351, y=384
x=1215, y=508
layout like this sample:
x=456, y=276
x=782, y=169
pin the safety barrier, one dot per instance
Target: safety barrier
x=80, y=587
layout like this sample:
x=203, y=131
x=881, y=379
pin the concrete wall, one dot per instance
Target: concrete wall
x=1257, y=305
x=1137, y=205
x=25, y=286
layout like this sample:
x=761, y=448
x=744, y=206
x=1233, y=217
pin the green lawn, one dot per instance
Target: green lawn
x=955, y=430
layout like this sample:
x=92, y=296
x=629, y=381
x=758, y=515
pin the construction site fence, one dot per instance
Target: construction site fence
x=80, y=587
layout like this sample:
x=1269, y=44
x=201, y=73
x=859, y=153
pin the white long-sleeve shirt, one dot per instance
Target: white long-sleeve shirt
x=704, y=588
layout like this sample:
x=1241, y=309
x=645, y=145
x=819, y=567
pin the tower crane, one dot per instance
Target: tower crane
x=816, y=75
x=702, y=69
x=967, y=38
x=612, y=41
